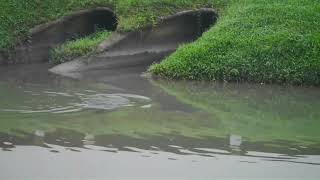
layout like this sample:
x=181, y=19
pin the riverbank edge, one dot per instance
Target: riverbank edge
x=297, y=72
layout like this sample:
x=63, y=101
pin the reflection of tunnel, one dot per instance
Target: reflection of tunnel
x=49, y=35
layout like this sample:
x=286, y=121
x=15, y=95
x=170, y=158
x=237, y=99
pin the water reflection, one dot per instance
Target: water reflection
x=176, y=144
x=176, y=120
x=235, y=142
x=60, y=102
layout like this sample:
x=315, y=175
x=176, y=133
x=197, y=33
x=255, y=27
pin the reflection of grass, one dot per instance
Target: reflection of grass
x=137, y=122
x=257, y=113
x=130, y=121
x=134, y=122
x=78, y=48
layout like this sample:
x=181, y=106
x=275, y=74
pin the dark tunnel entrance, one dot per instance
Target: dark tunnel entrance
x=47, y=36
x=103, y=19
x=207, y=20
x=90, y=22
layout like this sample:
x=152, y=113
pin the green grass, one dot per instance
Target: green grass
x=266, y=41
x=274, y=41
x=135, y=14
x=77, y=48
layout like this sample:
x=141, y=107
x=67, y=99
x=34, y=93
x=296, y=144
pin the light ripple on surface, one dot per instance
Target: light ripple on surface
x=75, y=102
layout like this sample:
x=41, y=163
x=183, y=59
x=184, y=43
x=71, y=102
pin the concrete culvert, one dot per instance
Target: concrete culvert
x=47, y=36
x=168, y=34
x=143, y=47
x=102, y=18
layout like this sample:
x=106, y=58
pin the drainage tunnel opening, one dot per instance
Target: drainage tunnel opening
x=207, y=20
x=90, y=22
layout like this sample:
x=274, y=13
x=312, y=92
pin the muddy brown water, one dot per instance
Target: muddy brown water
x=123, y=125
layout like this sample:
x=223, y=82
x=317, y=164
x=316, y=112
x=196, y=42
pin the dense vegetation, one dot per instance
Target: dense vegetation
x=77, y=48
x=254, y=40
x=274, y=41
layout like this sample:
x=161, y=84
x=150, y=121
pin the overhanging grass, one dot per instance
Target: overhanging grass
x=255, y=40
x=77, y=48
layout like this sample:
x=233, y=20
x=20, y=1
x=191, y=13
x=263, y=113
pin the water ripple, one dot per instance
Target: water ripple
x=61, y=102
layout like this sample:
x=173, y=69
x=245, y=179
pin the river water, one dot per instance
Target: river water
x=123, y=125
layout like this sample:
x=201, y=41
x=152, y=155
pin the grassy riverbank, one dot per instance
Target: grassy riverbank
x=255, y=40
x=274, y=41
